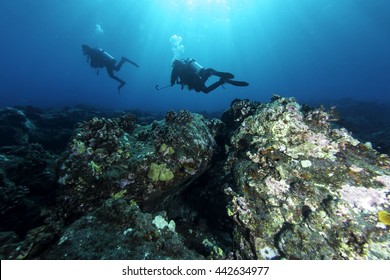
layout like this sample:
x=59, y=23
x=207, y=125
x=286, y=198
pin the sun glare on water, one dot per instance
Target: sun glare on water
x=209, y=4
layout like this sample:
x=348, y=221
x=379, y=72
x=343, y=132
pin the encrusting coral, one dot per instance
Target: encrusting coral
x=159, y=172
x=273, y=180
x=303, y=189
x=104, y=153
x=384, y=217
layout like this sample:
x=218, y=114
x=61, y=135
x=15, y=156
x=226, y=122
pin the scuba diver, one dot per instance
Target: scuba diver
x=187, y=72
x=98, y=58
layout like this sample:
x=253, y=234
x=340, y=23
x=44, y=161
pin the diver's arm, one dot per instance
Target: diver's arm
x=174, y=76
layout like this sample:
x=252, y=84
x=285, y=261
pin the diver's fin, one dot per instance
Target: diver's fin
x=224, y=75
x=131, y=62
x=237, y=83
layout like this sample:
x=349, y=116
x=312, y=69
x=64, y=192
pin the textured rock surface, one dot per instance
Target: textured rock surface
x=15, y=127
x=27, y=183
x=302, y=190
x=274, y=181
x=148, y=163
x=119, y=230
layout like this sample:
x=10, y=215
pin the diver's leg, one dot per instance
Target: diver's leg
x=110, y=72
x=205, y=74
x=123, y=60
x=212, y=87
x=129, y=61
x=119, y=65
x=223, y=75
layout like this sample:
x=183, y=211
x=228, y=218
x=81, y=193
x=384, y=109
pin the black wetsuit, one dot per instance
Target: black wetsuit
x=98, y=58
x=185, y=74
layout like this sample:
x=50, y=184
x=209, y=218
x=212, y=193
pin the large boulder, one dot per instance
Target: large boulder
x=299, y=189
x=150, y=163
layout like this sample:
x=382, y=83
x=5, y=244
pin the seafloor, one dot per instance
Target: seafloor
x=276, y=180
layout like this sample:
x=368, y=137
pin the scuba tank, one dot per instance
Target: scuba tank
x=195, y=66
x=106, y=56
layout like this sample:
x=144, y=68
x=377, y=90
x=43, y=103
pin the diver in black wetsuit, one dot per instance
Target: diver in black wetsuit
x=187, y=72
x=98, y=58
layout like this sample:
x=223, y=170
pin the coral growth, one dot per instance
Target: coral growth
x=159, y=172
x=103, y=152
x=311, y=191
x=273, y=180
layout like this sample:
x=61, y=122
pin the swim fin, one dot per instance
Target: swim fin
x=224, y=75
x=237, y=83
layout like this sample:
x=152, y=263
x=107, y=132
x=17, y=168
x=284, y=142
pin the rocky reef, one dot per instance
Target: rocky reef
x=366, y=120
x=110, y=157
x=275, y=180
x=301, y=189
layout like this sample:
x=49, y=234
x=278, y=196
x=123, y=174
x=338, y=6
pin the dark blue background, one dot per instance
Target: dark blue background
x=309, y=49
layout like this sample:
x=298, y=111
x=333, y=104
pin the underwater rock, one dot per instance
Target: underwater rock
x=15, y=127
x=54, y=127
x=275, y=180
x=366, y=120
x=119, y=230
x=51, y=128
x=281, y=208
x=32, y=246
x=27, y=184
x=200, y=217
x=148, y=163
x=238, y=111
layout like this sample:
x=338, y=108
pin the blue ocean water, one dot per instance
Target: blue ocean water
x=309, y=49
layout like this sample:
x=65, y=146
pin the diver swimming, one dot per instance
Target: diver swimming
x=189, y=73
x=98, y=58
